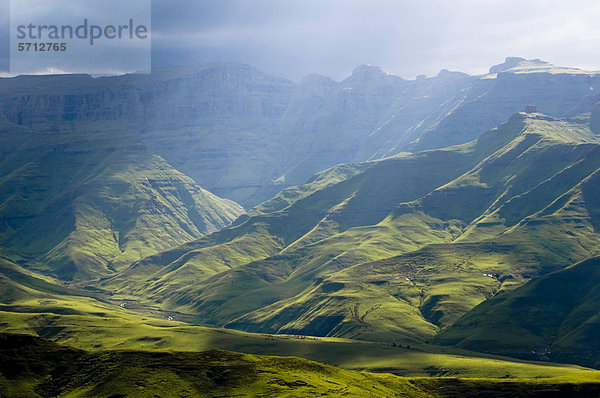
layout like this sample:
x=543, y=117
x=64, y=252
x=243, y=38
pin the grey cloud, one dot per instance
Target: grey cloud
x=292, y=38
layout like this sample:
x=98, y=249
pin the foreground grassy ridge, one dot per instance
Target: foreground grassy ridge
x=394, y=252
x=32, y=367
x=112, y=332
x=29, y=368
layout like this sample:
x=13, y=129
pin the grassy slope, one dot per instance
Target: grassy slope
x=555, y=316
x=440, y=291
x=314, y=275
x=321, y=180
x=34, y=367
x=78, y=212
x=319, y=215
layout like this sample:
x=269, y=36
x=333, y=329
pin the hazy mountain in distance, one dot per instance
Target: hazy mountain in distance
x=245, y=135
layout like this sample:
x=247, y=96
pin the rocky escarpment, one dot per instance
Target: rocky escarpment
x=245, y=135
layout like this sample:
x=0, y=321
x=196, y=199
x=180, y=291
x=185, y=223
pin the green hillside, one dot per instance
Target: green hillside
x=33, y=367
x=447, y=229
x=84, y=201
x=554, y=316
x=286, y=233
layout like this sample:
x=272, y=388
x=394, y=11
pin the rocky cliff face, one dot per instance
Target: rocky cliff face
x=559, y=95
x=229, y=90
x=245, y=135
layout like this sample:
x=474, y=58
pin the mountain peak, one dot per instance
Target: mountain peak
x=519, y=65
x=367, y=71
x=372, y=75
x=509, y=62
x=447, y=74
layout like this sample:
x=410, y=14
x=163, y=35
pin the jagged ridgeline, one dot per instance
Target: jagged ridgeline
x=381, y=209
x=245, y=135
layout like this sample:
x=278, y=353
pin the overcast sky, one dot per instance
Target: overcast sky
x=292, y=38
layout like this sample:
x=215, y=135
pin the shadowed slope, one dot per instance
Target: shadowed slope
x=35, y=367
x=555, y=316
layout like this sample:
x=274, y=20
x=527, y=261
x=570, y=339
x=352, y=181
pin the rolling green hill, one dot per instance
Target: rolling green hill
x=397, y=251
x=554, y=316
x=33, y=367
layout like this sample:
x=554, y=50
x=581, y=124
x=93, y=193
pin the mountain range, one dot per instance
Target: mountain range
x=452, y=215
x=246, y=135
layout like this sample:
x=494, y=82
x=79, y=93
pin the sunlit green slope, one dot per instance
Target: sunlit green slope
x=33, y=367
x=86, y=200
